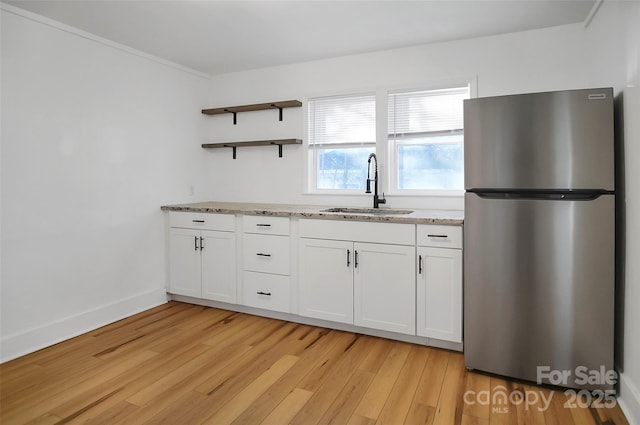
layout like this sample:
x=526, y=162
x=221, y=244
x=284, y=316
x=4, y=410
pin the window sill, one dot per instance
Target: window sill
x=428, y=193
x=395, y=194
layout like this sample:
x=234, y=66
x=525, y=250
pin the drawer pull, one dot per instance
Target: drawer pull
x=198, y=221
x=263, y=255
x=263, y=225
x=264, y=293
x=438, y=236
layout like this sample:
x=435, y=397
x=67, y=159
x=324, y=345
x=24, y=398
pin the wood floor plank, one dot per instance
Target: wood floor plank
x=117, y=414
x=185, y=364
x=36, y=406
x=234, y=408
x=288, y=408
x=583, y=416
x=478, y=387
x=472, y=420
x=428, y=391
x=225, y=384
x=420, y=414
x=379, y=390
x=451, y=403
x=502, y=412
x=319, y=343
x=313, y=380
x=175, y=395
x=527, y=413
x=46, y=419
x=360, y=420
x=396, y=409
x=334, y=381
x=348, y=398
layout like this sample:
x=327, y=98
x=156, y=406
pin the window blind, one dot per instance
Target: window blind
x=342, y=120
x=422, y=112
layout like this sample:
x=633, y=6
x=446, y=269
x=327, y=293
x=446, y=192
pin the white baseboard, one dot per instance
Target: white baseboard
x=16, y=345
x=629, y=400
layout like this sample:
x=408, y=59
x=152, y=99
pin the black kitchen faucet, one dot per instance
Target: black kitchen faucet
x=376, y=200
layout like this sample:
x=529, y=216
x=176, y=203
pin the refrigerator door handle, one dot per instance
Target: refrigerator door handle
x=546, y=195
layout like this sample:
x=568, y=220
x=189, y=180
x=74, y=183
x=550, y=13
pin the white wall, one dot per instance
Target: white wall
x=550, y=59
x=605, y=54
x=615, y=35
x=94, y=140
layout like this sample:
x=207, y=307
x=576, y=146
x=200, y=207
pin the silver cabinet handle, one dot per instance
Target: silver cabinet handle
x=419, y=264
x=264, y=293
x=438, y=236
x=195, y=243
x=355, y=259
x=198, y=221
x=348, y=258
x=263, y=225
x=263, y=255
x=201, y=243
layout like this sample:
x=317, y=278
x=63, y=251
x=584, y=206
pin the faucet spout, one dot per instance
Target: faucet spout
x=376, y=199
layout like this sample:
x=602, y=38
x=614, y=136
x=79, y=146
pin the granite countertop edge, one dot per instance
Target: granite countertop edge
x=445, y=217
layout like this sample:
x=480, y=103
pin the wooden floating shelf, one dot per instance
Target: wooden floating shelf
x=234, y=145
x=255, y=107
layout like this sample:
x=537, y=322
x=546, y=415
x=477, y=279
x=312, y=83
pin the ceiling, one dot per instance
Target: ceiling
x=216, y=37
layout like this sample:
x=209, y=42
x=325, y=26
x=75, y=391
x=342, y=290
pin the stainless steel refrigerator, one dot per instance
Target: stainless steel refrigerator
x=539, y=236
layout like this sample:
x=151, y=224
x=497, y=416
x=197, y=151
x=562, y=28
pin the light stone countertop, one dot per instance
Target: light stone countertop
x=448, y=217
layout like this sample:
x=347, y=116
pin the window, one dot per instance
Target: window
x=342, y=134
x=422, y=153
x=426, y=138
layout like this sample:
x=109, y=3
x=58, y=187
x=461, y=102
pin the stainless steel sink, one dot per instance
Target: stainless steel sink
x=381, y=211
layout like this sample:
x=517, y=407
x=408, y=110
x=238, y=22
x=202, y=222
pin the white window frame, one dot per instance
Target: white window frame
x=312, y=159
x=392, y=146
x=385, y=152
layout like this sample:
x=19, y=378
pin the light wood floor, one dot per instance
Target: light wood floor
x=183, y=364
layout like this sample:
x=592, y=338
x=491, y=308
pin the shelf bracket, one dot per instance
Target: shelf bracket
x=235, y=120
x=273, y=105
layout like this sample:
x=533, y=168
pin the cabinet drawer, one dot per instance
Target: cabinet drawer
x=265, y=253
x=188, y=220
x=265, y=225
x=267, y=291
x=439, y=236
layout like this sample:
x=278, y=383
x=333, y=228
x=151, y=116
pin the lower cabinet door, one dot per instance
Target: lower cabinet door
x=326, y=279
x=439, y=293
x=384, y=287
x=268, y=291
x=184, y=262
x=219, y=266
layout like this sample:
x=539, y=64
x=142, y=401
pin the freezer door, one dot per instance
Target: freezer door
x=555, y=140
x=539, y=286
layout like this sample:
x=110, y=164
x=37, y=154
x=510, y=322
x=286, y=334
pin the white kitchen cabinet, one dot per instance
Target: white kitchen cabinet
x=202, y=263
x=384, y=287
x=219, y=266
x=325, y=279
x=439, y=285
x=366, y=284
x=185, y=262
x=266, y=263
